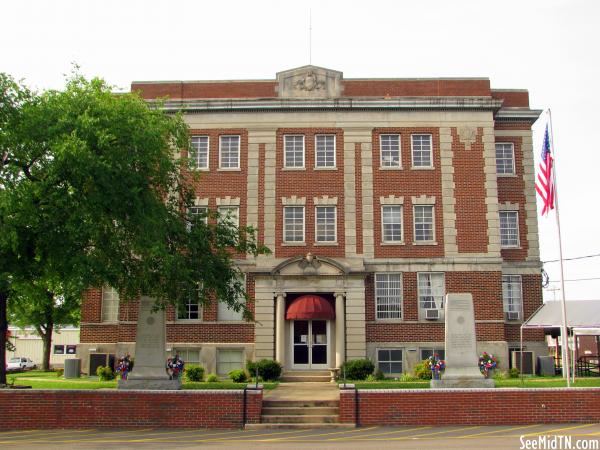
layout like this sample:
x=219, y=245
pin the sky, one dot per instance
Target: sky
x=549, y=47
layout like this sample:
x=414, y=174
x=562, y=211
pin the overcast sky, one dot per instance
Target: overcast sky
x=549, y=47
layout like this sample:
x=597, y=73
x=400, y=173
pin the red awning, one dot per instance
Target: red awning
x=310, y=307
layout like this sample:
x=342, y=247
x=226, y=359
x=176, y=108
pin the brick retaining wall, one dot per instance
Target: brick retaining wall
x=471, y=407
x=28, y=409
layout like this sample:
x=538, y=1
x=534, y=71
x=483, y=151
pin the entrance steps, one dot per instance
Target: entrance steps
x=307, y=375
x=299, y=414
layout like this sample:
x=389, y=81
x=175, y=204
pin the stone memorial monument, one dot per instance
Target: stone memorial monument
x=150, y=360
x=462, y=368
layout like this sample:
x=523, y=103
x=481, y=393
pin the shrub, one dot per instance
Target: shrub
x=371, y=378
x=194, y=373
x=358, y=369
x=514, y=373
x=105, y=373
x=238, y=375
x=422, y=371
x=212, y=378
x=268, y=369
x=407, y=377
x=379, y=375
x=60, y=372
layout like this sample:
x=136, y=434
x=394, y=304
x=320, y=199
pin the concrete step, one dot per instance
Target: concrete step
x=300, y=403
x=300, y=411
x=307, y=378
x=301, y=419
x=323, y=373
x=298, y=426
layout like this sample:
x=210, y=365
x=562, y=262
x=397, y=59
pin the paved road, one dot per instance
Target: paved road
x=406, y=438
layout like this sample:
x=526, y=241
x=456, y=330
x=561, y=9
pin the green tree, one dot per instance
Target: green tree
x=91, y=194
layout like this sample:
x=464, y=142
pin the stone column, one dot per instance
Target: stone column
x=280, y=328
x=340, y=330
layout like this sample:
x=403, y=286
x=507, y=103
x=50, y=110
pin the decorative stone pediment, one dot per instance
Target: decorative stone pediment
x=309, y=82
x=309, y=265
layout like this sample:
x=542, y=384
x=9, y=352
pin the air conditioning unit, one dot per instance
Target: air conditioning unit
x=512, y=315
x=432, y=314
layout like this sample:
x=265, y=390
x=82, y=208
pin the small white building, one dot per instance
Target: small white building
x=29, y=344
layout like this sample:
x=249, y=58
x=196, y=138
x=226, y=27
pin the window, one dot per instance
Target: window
x=198, y=155
x=225, y=313
x=509, y=229
x=199, y=211
x=293, y=226
x=188, y=311
x=505, y=158
x=294, y=151
x=229, y=152
x=110, y=305
x=59, y=349
x=421, y=150
x=391, y=223
x=388, y=295
x=389, y=147
x=512, y=296
x=423, y=223
x=228, y=360
x=325, y=150
x=188, y=355
x=325, y=218
x=427, y=352
x=71, y=349
x=229, y=214
x=431, y=290
x=389, y=360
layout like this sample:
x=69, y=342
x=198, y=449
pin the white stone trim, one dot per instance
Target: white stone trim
x=201, y=201
x=325, y=200
x=467, y=135
x=252, y=180
x=491, y=188
x=531, y=218
x=269, y=196
x=293, y=201
x=391, y=200
x=448, y=199
x=350, y=217
x=366, y=155
x=507, y=206
x=423, y=200
x=228, y=201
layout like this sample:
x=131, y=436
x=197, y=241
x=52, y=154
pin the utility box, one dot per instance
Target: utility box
x=72, y=368
x=545, y=366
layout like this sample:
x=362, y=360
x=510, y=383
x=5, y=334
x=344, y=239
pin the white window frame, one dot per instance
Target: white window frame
x=391, y=361
x=421, y=241
x=412, y=151
x=326, y=241
x=381, y=160
x=239, y=151
x=224, y=214
x=227, y=314
x=317, y=166
x=220, y=351
x=508, y=302
x=433, y=351
x=197, y=210
x=505, y=232
x=512, y=159
x=194, y=163
x=286, y=165
x=188, y=305
x=184, y=353
x=378, y=279
x=294, y=242
x=113, y=295
x=383, y=237
x=437, y=301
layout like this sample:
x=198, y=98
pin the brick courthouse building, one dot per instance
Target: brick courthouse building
x=376, y=196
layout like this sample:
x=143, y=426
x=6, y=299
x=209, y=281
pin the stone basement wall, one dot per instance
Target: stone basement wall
x=471, y=407
x=43, y=409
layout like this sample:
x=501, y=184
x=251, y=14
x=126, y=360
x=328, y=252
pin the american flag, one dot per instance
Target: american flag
x=544, y=185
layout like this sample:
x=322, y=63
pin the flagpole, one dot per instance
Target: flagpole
x=566, y=369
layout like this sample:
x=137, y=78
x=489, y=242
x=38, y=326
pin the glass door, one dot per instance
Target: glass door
x=301, y=341
x=310, y=341
x=318, y=350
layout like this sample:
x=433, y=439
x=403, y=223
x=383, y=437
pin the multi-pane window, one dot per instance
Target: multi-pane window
x=388, y=295
x=196, y=211
x=512, y=296
x=427, y=352
x=198, y=154
x=391, y=223
x=190, y=310
x=110, y=304
x=509, y=229
x=230, y=214
x=59, y=349
x=293, y=223
x=423, y=223
x=228, y=360
x=325, y=150
x=389, y=147
x=188, y=355
x=389, y=360
x=421, y=150
x=225, y=313
x=293, y=151
x=325, y=224
x=229, y=152
x=505, y=158
x=431, y=290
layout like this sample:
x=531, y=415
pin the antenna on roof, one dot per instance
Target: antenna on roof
x=309, y=36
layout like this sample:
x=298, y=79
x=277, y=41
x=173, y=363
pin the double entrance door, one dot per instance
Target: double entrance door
x=310, y=339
